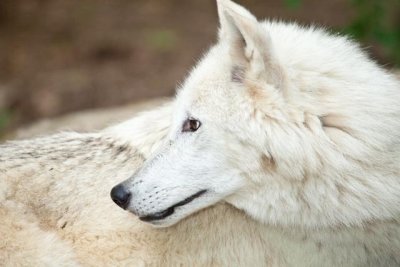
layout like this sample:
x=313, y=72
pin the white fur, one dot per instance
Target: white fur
x=300, y=130
x=323, y=115
x=307, y=135
x=55, y=210
x=55, y=207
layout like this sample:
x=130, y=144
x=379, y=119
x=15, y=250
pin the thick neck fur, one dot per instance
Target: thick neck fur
x=334, y=162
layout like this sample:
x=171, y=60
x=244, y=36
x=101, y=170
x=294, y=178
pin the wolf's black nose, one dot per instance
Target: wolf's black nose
x=120, y=196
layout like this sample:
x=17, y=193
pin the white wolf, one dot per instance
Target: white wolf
x=55, y=208
x=294, y=126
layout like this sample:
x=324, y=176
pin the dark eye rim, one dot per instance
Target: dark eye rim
x=190, y=125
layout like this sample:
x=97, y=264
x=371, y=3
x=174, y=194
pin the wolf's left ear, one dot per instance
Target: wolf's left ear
x=249, y=42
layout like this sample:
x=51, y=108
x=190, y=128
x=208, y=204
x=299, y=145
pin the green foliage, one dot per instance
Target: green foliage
x=293, y=4
x=4, y=119
x=375, y=23
x=161, y=40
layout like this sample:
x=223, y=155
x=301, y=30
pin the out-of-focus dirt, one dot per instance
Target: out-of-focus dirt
x=58, y=56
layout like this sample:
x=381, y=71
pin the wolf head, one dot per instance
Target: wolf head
x=279, y=121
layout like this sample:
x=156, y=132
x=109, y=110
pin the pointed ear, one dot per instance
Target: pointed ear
x=227, y=10
x=249, y=42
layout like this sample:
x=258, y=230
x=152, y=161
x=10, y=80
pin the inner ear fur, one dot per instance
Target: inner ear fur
x=250, y=44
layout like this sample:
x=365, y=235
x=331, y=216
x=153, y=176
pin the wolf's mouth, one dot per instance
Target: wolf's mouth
x=169, y=211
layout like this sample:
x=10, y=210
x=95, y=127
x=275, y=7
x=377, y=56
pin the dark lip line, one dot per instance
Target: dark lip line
x=167, y=212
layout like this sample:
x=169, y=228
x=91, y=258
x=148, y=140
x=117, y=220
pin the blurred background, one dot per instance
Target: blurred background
x=60, y=56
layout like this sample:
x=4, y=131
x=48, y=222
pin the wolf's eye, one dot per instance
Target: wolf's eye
x=191, y=125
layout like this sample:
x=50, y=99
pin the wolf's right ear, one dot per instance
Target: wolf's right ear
x=249, y=42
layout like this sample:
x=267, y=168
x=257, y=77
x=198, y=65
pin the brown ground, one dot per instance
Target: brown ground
x=59, y=56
